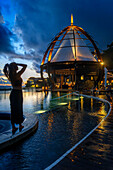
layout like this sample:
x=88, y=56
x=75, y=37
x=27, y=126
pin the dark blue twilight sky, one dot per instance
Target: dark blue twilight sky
x=27, y=26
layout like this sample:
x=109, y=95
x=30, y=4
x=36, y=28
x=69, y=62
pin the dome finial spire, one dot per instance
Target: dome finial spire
x=71, y=19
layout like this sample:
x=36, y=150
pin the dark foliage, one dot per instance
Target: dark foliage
x=107, y=56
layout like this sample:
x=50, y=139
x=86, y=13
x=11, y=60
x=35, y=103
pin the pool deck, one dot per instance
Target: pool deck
x=7, y=139
x=95, y=153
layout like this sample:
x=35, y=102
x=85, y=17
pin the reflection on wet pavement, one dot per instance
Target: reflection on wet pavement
x=96, y=152
x=65, y=122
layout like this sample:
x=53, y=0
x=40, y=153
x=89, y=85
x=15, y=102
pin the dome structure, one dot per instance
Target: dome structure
x=71, y=52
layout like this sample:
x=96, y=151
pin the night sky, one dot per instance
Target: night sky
x=27, y=26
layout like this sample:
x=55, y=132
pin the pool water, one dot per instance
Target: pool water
x=4, y=125
x=62, y=123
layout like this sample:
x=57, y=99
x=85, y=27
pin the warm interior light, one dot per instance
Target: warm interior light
x=81, y=97
x=33, y=85
x=91, y=77
x=82, y=77
x=102, y=63
x=67, y=80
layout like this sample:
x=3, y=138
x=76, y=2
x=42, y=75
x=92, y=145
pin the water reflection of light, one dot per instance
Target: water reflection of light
x=82, y=103
x=4, y=102
x=77, y=121
x=102, y=148
x=69, y=105
x=48, y=98
x=73, y=157
x=58, y=94
x=46, y=93
x=92, y=104
x=101, y=114
x=32, y=100
x=50, y=121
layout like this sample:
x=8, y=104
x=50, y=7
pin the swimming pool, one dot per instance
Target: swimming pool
x=63, y=122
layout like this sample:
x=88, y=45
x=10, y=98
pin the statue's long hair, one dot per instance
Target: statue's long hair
x=9, y=70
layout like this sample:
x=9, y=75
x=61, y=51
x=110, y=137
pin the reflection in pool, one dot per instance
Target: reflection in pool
x=62, y=123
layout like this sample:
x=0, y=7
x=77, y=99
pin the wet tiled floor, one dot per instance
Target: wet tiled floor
x=96, y=152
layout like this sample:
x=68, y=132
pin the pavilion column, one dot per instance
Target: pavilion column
x=41, y=72
x=51, y=79
x=76, y=83
x=73, y=79
x=61, y=81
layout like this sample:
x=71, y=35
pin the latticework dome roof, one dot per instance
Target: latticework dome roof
x=71, y=44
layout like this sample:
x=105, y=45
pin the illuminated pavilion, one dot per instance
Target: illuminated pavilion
x=71, y=59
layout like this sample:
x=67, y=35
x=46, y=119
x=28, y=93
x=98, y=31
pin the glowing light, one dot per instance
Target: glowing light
x=82, y=77
x=5, y=85
x=75, y=99
x=58, y=94
x=102, y=63
x=62, y=103
x=40, y=111
x=91, y=77
x=69, y=98
x=33, y=85
x=67, y=80
x=50, y=121
x=42, y=87
x=91, y=104
x=81, y=97
x=82, y=103
x=71, y=19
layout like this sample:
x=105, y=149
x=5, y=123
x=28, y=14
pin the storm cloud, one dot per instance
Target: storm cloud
x=5, y=40
x=38, y=21
x=1, y=18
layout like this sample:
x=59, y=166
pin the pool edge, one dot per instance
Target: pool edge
x=7, y=139
x=52, y=165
